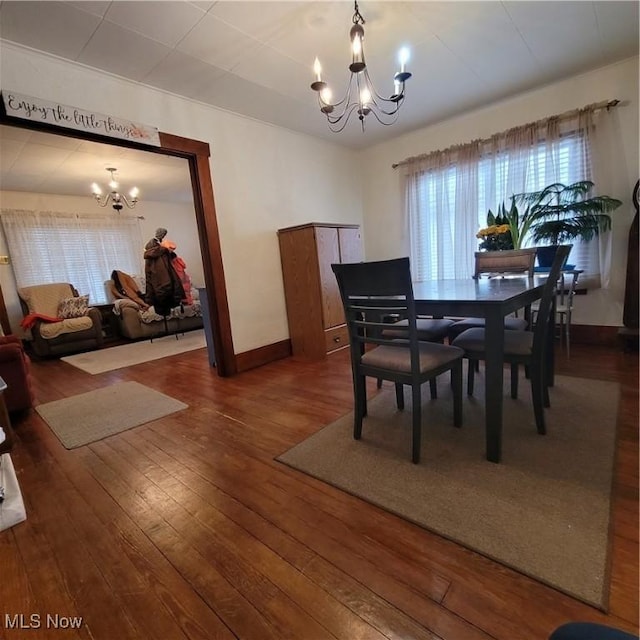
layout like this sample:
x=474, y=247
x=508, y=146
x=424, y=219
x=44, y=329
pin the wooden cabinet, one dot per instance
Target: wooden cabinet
x=314, y=309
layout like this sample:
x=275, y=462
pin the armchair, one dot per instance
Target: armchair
x=14, y=370
x=60, y=320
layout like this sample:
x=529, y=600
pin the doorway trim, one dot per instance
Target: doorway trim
x=197, y=153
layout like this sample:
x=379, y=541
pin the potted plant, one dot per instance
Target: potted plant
x=561, y=213
x=500, y=246
x=508, y=221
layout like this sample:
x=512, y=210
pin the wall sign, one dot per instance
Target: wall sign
x=37, y=110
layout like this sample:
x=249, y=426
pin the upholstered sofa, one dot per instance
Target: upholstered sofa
x=137, y=321
x=60, y=320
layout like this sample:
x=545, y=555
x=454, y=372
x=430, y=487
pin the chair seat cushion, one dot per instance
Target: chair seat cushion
x=510, y=324
x=432, y=356
x=51, y=330
x=516, y=343
x=429, y=329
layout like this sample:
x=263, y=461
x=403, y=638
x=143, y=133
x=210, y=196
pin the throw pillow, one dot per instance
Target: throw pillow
x=73, y=307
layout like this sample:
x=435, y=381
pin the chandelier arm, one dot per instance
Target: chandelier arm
x=375, y=113
x=380, y=108
x=344, y=118
x=102, y=203
x=126, y=201
x=344, y=100
x=375, y=106
x=396, y=103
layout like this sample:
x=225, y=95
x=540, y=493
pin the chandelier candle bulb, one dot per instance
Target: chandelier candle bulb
x=318, y=85
x=403, y=56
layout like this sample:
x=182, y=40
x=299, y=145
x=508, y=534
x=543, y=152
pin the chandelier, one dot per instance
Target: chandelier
x=114, y=196
x=361, y=96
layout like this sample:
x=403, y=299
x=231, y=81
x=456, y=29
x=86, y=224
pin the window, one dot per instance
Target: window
x=448, y=193
x=82, y=249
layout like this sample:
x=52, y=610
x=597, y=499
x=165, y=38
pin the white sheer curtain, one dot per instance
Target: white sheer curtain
x=83, y=249
x=448, y=193
x=441, y=204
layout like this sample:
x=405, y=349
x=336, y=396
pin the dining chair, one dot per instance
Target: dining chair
x=368, y=291
x=498, y=264
x=522, y=347
x=564, y=306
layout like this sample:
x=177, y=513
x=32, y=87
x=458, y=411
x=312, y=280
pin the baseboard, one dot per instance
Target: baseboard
x=595, y=335
x=580, y=334
x=263, y=355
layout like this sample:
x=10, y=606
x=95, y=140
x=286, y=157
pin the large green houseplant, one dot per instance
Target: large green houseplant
x=558, y=214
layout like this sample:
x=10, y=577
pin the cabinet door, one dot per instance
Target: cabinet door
x=328, y=249
x=350, y=244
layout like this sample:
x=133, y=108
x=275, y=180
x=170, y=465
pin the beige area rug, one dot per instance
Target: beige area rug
x=127, y=355
x=97, y=414
x=544, y=510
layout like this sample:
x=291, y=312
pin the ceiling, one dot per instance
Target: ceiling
x=256, y=58
x=45, y=163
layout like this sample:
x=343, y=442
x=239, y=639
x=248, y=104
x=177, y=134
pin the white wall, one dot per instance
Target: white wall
x=385, y=230
x=156, y=214
x=264, y=177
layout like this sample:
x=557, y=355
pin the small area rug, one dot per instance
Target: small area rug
x=127, y=355
x=544, y=510
x=97, y=414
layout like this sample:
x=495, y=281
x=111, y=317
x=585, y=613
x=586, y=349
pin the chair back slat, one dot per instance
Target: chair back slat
x=370, y=290
x=545, y=310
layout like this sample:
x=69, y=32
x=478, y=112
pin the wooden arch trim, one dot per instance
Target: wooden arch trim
x=197, y=154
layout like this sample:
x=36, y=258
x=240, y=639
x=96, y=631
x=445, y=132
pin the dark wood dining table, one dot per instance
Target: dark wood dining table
x=491, y=299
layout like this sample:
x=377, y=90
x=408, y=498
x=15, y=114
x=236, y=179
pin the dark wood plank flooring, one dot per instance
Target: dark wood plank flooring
x=187, y=527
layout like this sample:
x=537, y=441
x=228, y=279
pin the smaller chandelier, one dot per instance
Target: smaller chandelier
x=117, y=199
x=367, y=100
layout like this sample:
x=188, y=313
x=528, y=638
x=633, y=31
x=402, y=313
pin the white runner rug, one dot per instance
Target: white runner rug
x=127, y=355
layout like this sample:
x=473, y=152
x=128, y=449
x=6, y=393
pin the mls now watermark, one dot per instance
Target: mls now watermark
x=38, y=621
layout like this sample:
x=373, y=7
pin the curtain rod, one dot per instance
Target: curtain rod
x=605, y=104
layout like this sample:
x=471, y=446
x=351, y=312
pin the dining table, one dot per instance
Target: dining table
x=492, y=299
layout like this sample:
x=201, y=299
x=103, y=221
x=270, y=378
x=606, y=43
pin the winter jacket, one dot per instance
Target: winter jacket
x=164, y=289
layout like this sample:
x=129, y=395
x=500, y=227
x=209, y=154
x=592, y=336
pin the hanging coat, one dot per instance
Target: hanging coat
x=164, y=289
x=180, y=267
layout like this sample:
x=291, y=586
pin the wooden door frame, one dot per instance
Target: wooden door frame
x=197, y=154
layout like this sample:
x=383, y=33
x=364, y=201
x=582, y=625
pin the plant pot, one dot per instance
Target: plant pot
x=545, y=256
x=508, y=261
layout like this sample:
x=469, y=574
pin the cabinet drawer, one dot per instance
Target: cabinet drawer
x=336, y=338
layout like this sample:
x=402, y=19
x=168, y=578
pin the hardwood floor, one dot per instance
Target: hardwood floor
x=188, y=528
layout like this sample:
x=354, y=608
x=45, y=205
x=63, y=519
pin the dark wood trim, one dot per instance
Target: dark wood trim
x=197, y=154
x=263, y=355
